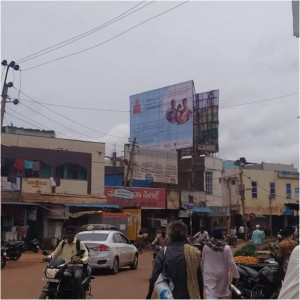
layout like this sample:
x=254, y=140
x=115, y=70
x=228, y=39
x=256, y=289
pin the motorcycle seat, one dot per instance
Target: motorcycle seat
x=15, y=243
x=250, y=272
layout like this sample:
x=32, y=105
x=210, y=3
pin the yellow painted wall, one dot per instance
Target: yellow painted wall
x=261, y=204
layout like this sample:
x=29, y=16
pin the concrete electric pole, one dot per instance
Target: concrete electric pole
x=4, y=95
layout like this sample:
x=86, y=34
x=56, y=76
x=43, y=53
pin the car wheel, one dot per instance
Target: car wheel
x=115, y=267
x=134, y=264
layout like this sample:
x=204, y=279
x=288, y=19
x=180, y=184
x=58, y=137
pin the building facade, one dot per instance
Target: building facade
x=268, y=190
x=43, y=178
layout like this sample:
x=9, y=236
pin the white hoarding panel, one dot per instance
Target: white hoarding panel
x=163, y=118
x=153, y=165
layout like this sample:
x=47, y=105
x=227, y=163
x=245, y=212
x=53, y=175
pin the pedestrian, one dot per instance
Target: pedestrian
x=180, y=262
x=161, y=239
x=202, y=235
x=216, y=262
x=285, y=247
x=290, y=285
x=258, y=236
x=241, y=232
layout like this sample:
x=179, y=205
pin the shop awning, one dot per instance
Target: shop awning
x=20, y=203
x=260, y=217
x=292, y=206
x=95, y=205
x=199, y=209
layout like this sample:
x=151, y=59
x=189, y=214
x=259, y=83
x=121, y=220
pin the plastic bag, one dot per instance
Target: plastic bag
x=163, y=287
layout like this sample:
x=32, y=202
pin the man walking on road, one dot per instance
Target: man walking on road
x=258, y=236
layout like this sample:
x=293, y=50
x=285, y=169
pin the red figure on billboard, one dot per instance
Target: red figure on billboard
x=137, y=109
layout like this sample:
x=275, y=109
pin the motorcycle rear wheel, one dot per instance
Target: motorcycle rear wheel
x=3, y=261
x=16, y=256
x=44, y=295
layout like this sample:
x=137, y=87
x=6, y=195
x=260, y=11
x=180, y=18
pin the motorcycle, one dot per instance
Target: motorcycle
x=32, y=245
x=262, y=284
x=59, y=278
x=155, y=252
x=13, y=249
x=3, y=257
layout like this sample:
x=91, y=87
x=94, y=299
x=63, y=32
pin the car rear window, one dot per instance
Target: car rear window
x=92, y=236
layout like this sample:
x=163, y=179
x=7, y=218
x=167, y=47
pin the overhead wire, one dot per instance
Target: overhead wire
x=116, y=110
x=108, y=40
x=39, y=124
x=96, y=130
x=57, y=122
x=80, y=36
x=265, y=188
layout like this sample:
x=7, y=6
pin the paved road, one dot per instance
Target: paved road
x=22, y=279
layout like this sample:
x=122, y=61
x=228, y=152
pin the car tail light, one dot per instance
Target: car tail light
x=101, y=247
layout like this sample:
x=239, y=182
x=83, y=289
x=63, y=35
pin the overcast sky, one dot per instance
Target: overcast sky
x=245, y=49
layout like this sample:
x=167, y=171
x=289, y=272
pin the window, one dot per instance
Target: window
x=254, y=189
x=272, y=190
x=208, y=183
x=288, y=190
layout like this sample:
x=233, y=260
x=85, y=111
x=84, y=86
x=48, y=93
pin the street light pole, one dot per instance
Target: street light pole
x=270, y=216
x=4, y=95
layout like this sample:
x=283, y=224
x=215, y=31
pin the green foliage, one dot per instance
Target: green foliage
x=247, y=250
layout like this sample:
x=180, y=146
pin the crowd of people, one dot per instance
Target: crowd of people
x=213, y=268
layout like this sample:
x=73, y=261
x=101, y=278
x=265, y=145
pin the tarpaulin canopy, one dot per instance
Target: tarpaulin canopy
x=199, y=209
x=95, y=205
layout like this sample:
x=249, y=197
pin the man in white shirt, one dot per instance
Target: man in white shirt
x=241, y=232
x=202, y=235
x=290, y=286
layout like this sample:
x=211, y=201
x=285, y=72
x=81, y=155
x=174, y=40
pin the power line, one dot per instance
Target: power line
x=264, y=188
x=66, y=117
x=127, y=111
x=38, y=123
x=57, y=122
x=80, y=36
x=108, y=40
x=274, y=98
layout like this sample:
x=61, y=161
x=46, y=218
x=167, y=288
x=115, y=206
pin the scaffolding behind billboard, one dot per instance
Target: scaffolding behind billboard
x=206, y=122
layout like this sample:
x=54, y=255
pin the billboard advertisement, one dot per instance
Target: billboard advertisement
x=143, y=197
x=207, y=121
x=154, y=165
x=163, y=118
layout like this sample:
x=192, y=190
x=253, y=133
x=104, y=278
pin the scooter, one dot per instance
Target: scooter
x=262, y=284
x=13, y=249
x=59, y=278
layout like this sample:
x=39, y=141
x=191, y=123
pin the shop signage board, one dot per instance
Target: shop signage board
x=123, y=193
x=143, y=197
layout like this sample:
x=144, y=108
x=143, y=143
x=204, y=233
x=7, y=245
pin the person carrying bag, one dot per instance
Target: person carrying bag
x=179, y=264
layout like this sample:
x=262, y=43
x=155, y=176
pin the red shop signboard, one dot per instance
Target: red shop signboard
x=143, y=197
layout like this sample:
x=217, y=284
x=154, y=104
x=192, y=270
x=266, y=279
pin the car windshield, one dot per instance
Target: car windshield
x=92, y=236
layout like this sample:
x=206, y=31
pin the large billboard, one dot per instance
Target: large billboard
x=206, y=109
x=154, y=165
x=163, y=118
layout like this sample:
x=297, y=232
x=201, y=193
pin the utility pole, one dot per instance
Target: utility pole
x=270, y=216
x=129, y=166
x=242, y=194
x=240, y=163
x=4, y=95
